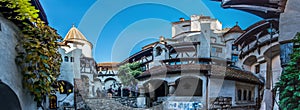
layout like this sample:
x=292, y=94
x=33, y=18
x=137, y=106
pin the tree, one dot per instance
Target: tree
x=128, y=72
x=289, y=83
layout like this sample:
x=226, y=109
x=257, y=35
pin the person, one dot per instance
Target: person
x=110, y=92
x=119, y=91
x=98, y=92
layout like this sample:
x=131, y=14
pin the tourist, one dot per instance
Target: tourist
x=110, y=92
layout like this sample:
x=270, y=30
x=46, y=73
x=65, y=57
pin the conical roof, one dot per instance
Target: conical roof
x=74, y=33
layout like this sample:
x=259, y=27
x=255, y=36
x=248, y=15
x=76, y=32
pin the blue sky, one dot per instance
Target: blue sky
x=119, y=28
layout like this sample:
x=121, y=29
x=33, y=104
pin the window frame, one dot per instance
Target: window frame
x=244, y=97
x=71, y=59
x=66, y=59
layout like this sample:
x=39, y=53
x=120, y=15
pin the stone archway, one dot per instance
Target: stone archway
x=9, y=99
x=189, y=86
x=155, y=89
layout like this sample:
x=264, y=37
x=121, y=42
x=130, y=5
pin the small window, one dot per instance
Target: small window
x=158, y=51
x=239, y=94
x=213, y=49
x=234, y=58
x=72, y=59
x=0, y=27
x=213, y=40
x=52, y=102
x=186, y=25
x=249, y=95
x=257, y=68
x=245, y=95
x=234, y=47
x=219, y=50
x=66, y=59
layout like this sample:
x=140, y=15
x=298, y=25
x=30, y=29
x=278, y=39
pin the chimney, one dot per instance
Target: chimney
x=181, y=19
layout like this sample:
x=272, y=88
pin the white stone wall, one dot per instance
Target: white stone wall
x=85, y=47
x=180, y=28
x=70, y=70
x=289, y=20
x=9, y=73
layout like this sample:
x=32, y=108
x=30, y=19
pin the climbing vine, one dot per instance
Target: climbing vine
x=128, y=72
x=38, y=57
x=289, y=84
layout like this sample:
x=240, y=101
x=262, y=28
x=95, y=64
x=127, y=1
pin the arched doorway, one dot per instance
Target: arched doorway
x=9, y=100
x=156, y=89
x=189, y=86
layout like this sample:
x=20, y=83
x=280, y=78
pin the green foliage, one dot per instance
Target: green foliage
x=289, y=84
x=38, y=57
x=128, y=72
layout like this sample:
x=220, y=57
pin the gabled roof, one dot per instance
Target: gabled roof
x=234, y=29
x=74, y=33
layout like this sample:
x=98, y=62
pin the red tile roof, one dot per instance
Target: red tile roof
x=228, y=73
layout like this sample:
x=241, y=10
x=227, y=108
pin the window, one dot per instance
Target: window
x=234, y=58
x=257, y=68
x=213, y=49
x=239, y=95
x=53, y=102
x=0, y=27
x=72, y=59
x=158, y=51
x=245, y=95
x=66, y=59
x=219, y=50
x=213, y=40
x=249, y=96
x=234, y=47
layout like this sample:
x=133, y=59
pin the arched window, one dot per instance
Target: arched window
x=66, y=59
x=249, y=95
x=245, y=95
x=53, y=102
x=239, y=94
x=158, y=51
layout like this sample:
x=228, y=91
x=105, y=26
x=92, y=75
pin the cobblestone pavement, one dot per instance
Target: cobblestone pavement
x=111, y=104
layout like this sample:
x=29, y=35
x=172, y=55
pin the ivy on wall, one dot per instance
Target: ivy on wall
x=38, y=57
x=289, y=83
x=128, y=72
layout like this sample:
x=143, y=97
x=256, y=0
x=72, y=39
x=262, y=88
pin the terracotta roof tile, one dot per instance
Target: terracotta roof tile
x=228, y=73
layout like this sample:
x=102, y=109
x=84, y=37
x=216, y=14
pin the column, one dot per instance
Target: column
x=171, y=88
x=141, y=100
x=91, y=85
x=268, y=99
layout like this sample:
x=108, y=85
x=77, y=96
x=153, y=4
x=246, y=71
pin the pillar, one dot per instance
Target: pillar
x=91, y=86
x=141, y=99
x=171, y=88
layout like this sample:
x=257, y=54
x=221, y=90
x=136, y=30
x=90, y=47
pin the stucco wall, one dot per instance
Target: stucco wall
x=9, y=73
x=289, y=20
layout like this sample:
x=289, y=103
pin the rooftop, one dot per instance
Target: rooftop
x=74, y=33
